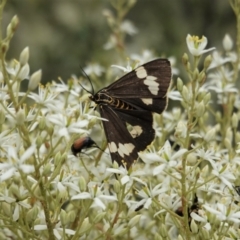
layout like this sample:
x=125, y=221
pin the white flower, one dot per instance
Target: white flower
x=149, y=193
x=16, y=203
x=208, y=155
x=67, y=181
x=196, y=45
x=218, y=60
x=126, y=178
x=96, y=194
x=165, y=157
x=111, y=43
x=224, y=175
x=126, y=69
x=58, y=230
x=16, y=163
x=146, y=56
x=63, y=127
x=95, y=69
x=128, y=27
x=223, y=214
x=45, y=97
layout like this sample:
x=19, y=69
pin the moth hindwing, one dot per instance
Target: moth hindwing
x=128, y=104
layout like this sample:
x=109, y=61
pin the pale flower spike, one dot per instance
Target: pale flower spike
x=197, y=45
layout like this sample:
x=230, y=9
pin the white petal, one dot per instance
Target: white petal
x=40, y=227
x=99, y=203
x=28, y=153
x=27, y=168
x=7, y=174
x=125, y=179
x=159, y=169
x=83, y=195
x=16, y=213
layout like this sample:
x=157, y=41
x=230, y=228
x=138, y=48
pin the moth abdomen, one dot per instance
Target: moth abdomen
x=103, y=98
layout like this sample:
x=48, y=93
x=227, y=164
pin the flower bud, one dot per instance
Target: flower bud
x=63, y=217
x=57, y=159
x=179, y=84
x=185, y=93
x=35, y=80
x=193, y=226
x=200, y=109
x=205, y=233
x=134, y=221
x=207, y=98
x=116, y=186
x=32, y=214
x=185, y=58
x=207, y=62
x=15, y=22
x=234, y=120
x=85, y=226
x=99, y=217
x=24, y=72
x=20, y=117
x=227, y=43
x=2, y=116
x=82, y=184
x=210, y=135
x=1, y=77
x=24, y=56
x=71, y=216
x=47, y=170
x=181, y=130
x=228, y=144
x=12, y=26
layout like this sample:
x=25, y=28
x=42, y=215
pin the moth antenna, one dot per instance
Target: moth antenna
x=92, y=93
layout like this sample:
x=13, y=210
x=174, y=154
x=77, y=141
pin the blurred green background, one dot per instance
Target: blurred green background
x=62, y=35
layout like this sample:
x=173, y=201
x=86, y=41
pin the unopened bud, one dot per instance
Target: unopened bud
x=35, y=80
x=24, y=56
x=207, y=62
x=24, y=72
x=234, y=120
x=227, y=43
x=179, y=84
x=20, y=117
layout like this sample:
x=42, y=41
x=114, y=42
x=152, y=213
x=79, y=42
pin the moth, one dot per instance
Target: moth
x=82, y=143
x=128, y=104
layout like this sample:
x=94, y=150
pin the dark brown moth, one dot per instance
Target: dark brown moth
x=128, y=104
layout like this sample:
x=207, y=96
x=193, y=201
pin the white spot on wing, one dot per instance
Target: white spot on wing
x=136, y=131
x=113, y=147
x=141, y=72
x=122, y=149
x=153, y=86
x=147, y=101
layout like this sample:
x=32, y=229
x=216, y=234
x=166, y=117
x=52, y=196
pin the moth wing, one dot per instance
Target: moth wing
x=127, y=133
x=151, y=80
